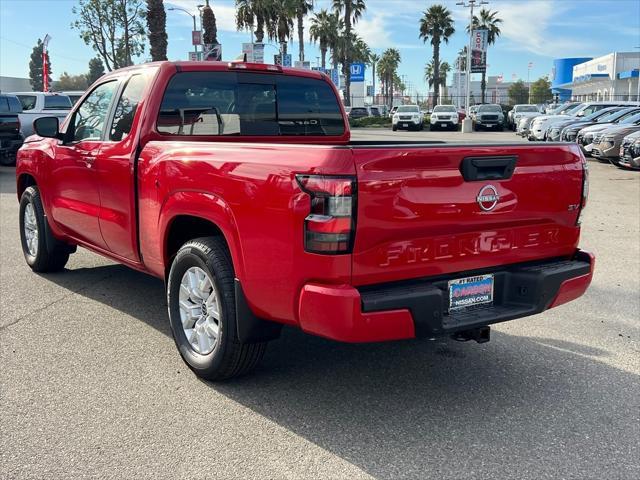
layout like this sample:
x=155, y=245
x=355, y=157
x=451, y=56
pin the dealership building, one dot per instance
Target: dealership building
x=609, y=77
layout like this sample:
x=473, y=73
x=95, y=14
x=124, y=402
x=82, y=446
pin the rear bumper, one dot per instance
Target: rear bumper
x=419, y=308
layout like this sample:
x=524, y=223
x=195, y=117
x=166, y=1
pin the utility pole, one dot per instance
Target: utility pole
x=195, y=27
x=467, y=123
x=529, y=79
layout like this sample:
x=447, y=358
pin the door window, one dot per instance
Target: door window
x=89, y=119
x=127, y=107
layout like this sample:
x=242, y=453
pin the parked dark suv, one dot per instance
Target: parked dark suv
x=10, y=137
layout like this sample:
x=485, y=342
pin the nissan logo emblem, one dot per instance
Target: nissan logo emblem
x=488, y=198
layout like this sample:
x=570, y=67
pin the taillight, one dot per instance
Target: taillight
x=585, y=188
x=330, y=226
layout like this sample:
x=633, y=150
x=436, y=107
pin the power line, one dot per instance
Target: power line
x=57, y=55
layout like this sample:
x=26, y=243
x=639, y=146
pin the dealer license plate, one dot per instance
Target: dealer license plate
x=405, y=125
x=442, y=124
x=470, y=291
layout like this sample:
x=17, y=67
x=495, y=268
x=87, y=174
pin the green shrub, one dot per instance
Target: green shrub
x=370, y=122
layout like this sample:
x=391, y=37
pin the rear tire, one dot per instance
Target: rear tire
x=41, y=250
x=227, y=356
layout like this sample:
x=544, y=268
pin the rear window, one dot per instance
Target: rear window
x=4, y=104
x=231, y=103
x=57, y=102
x=526, y=108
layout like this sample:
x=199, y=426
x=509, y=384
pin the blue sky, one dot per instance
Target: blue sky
x=533, y=31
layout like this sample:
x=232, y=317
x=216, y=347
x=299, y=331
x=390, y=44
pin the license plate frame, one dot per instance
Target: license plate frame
x=468, y=292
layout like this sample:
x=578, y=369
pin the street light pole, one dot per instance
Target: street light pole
x=195, y=27
x=529, y=80
x=467, y=123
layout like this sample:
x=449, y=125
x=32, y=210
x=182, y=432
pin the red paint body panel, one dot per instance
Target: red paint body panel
x=575, y=287
x=333, y=311
x=416, y=216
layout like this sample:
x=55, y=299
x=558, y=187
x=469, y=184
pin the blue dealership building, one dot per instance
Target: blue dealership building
x=610, y=77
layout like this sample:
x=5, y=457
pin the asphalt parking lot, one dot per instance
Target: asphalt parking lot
x=91, y=384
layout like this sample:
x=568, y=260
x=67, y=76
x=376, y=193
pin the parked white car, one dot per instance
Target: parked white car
x=444, y=116
x=520, y=111
x=409, y=117
x=41, y=104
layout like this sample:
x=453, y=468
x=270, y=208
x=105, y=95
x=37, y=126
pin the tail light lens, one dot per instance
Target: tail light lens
x=585, y=188
x=330, y=226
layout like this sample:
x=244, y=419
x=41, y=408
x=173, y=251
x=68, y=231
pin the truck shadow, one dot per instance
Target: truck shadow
x=425, y=409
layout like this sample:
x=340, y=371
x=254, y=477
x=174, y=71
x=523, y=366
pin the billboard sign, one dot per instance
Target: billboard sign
x=196, y=37
x=254, y=52
x=479, y=50
x=334, y=75
x=357, y=72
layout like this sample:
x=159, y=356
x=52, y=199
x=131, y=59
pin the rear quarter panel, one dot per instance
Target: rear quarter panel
x=249, y=191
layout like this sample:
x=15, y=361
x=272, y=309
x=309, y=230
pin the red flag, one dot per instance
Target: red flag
x=45, y=73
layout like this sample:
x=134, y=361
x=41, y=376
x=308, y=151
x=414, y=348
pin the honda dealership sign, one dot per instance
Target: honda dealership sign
x=479, y=50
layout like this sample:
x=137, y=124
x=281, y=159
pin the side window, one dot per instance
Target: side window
x=126, y=108
x=28, y=101
x=89, y=119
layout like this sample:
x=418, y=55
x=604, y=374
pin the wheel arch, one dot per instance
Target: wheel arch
x=189, y=215
x=24, y=181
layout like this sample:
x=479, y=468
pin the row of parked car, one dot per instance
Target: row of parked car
x=19, y=110
x=608, y=131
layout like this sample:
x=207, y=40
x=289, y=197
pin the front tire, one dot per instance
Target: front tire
x=394, y=128
x=202, y=313
x=41, y=250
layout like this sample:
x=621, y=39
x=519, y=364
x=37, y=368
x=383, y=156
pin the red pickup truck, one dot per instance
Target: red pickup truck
x=239, y=186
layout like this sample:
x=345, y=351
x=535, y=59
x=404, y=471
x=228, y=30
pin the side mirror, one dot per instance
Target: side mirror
x=47, y=127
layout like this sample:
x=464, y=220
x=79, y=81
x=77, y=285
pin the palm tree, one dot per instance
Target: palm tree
x=353, y=10
x=374, y=59
x=436, y=25
x=280, y=25
x=250, y=13
x=491, y=22
x=462, y=59
x=323, y=31
x=429, y=72
x=303, y=7
x=387, y=72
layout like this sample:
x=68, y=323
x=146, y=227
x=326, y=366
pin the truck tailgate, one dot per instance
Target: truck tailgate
x=418, y=216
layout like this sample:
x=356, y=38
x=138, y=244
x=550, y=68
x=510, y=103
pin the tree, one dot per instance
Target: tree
x=324, y=29
x=253, y=12
x=71, y=82
x=429, y=75
x=436, y=25
x=353, y=10
x=541, y=90
x=491, y=22
x=35, y=68
x=518, y=92
x=280, y=23
x=387, y=72
x=96, y=70
x=462, y=59
x=374, y=59
x=303, y=7
x=156, y=24
x=113, y=28
x=210, y=34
